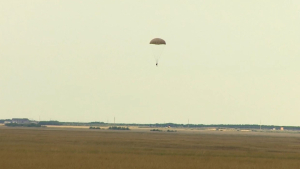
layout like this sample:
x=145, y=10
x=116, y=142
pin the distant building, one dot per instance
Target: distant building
x=281, y=128
x=35, y=122
x=20, y=120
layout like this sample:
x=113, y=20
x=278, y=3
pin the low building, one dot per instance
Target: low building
x=35, y=122
x=20, y=120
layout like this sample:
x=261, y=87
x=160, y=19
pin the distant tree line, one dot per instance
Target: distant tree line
x=3, y=120
x=235, y=126
x=50, y=123
x=158, y=125
x=22, y=125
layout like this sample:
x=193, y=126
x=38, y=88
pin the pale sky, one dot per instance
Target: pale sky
x=225, y=62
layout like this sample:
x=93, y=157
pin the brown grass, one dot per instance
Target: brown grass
x=83, y=148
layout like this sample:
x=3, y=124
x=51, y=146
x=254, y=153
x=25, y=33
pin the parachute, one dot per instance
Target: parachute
x=158, y=46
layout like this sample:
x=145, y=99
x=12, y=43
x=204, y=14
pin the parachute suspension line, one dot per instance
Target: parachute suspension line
x=157, y=50
x=157, y=46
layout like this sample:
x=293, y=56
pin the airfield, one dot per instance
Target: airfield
x=79, y=147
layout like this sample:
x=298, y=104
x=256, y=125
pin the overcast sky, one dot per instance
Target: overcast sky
x=225, y=62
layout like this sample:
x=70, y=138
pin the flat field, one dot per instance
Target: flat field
x=45, y=148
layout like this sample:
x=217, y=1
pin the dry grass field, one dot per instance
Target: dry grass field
x=47, y=148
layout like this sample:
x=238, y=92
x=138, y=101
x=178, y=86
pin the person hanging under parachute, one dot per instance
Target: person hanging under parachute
x=158, y=46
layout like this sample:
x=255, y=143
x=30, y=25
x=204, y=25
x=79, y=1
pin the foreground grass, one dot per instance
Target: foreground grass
x=47, y=149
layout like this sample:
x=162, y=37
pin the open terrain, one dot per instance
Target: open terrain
x=48, y=148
